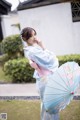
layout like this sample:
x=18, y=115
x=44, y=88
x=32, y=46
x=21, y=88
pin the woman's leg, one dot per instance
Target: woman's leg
x=40, y=91
x=42, y=112
x=40, y=88
x=55, y=116
x=45, y=115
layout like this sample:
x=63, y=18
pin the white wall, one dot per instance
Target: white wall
x=14, y=20
x=7, y=22
x=54, y=26
x=76, y=35
x=6, y=26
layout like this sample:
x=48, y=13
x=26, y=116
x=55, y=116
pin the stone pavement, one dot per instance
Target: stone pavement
x=23, y=90
x=18, y=90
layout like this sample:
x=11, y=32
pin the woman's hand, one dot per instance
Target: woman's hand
x=39, y=42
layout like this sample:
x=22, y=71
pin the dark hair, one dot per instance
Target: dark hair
x=27, y=33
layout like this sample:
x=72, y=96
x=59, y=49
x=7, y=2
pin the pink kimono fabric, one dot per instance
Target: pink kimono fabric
x=41, y=71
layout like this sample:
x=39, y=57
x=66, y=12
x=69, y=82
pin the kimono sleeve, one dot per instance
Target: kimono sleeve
x=42, y=58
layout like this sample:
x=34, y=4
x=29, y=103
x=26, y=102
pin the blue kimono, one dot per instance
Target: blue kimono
x=49, y=61
x=43, y=58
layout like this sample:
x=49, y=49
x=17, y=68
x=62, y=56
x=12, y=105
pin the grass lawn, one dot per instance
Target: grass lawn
x=3, y=77
x=30, y=110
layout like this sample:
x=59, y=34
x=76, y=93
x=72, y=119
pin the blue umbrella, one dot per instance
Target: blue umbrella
x=61, y=87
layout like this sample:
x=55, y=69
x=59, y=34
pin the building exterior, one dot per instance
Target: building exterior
x=57, y=23
x=10, y=24
x=8, y=20
x=5, y=7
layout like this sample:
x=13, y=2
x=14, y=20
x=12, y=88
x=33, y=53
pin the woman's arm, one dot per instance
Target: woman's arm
x=42, y=58
x=41, y=45
x=39, y=42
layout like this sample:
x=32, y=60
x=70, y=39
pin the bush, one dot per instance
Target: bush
x=66, y=58
x=12, y=45
x=3, y=58
x=19, y=70
x=1, y=48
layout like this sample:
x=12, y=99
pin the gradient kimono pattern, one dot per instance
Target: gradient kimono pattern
x=48, y=64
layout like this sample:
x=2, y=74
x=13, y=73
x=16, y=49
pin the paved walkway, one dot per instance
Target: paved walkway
x=21, y=90
x=18, y=90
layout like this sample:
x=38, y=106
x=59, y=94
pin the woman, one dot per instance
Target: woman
x=43, y=61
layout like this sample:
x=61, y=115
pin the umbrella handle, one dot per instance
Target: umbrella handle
x=72, y=93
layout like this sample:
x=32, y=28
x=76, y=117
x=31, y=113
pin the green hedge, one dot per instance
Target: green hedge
x=12, y=46
x=19, y=70
x=0, y=48
x=71, y=57
x=3, y=58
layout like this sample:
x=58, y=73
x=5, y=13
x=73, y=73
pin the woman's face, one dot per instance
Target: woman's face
x=31, y=40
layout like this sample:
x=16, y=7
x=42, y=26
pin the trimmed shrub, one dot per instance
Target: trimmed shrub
x=12, y=45
x=66, y=58
x=0, y=49
x=19, y=70
x=3, y=58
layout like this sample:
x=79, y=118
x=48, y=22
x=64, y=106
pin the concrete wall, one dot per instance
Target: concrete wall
x=7, y=25
x=76, y=35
